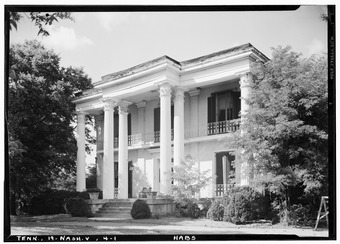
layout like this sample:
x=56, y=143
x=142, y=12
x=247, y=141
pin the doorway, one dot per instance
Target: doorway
x=130, y=174
x=130, y=168
x=225, y=171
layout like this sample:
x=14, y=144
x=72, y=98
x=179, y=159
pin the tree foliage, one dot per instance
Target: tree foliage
x=39, y=19
x=188, y=181
x=40, y=117
x=284, y=135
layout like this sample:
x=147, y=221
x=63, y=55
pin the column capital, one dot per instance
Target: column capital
x=109, y=104
x=179, y=94
x=165, y=89
x=141, y=104
x=80, y=112
x=123, y=107
x=81, y=116
x=245, y=79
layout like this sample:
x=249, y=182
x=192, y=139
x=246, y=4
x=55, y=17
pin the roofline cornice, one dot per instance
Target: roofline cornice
x=86, y=98
x=164, y=66
x=209, y=64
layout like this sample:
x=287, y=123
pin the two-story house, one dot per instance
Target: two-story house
x=151, y=116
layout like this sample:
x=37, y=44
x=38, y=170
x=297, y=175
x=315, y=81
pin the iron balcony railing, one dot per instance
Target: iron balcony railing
x=221, y=189
x=208, y=129
x=214, y=128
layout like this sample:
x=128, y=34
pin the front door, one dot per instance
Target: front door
x=130, y=171
x=130, y=168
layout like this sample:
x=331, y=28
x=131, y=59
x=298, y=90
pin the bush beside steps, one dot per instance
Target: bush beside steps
x=78, y=207
x=140, y=210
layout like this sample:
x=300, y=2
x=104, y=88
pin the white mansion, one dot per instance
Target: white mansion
x=153, y=115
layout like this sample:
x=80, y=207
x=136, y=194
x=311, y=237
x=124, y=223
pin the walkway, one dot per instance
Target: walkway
x=65, y=225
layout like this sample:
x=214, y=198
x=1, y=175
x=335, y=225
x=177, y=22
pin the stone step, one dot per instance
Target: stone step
x=110, y=215
x=114, y=211
x=116, y=208
x=118, y=204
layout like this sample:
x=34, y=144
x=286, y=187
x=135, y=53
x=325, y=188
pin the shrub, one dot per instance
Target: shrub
x=216, y=210
x=187, y=207
x=78, y=207
x=53, y=201
x=194, y=211
x=140, y=210
x=298, y=214
x=204, y=205
x=244, y=204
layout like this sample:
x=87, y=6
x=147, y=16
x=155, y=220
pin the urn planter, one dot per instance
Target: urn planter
x=93, y=193
x=151, y=194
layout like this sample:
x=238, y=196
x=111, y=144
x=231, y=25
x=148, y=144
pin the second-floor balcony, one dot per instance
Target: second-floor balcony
x=214, y=128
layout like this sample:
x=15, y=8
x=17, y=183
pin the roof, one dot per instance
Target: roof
x=137, y=68
x=224, y=53
x=152, y=63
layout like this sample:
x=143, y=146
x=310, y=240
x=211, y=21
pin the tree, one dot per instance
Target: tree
x=40, y=118
x=91, y=176
x=284, y=135
x=188, y=181
x=39, y=19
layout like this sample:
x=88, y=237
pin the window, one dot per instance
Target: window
x=223, y=107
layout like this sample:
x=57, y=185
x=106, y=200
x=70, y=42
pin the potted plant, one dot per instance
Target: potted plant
x=93, y=193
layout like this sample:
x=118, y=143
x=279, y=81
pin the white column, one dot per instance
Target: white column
x=99, y=120
x=178, y=126
x=81, y=178
x=165, y=138
x=245, y=92
x=108, y=162
x=123, y=151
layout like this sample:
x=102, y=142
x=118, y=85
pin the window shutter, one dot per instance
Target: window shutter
x=212, y=108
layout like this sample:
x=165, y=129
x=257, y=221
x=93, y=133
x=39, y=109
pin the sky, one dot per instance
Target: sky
x=107, y=42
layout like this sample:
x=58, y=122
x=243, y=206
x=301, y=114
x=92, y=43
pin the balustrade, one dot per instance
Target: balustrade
x=208, y=129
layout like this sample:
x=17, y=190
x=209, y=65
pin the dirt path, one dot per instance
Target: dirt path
x=66, y=225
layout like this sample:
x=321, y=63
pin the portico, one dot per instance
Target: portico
x=106, y=132
x=153, y=115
